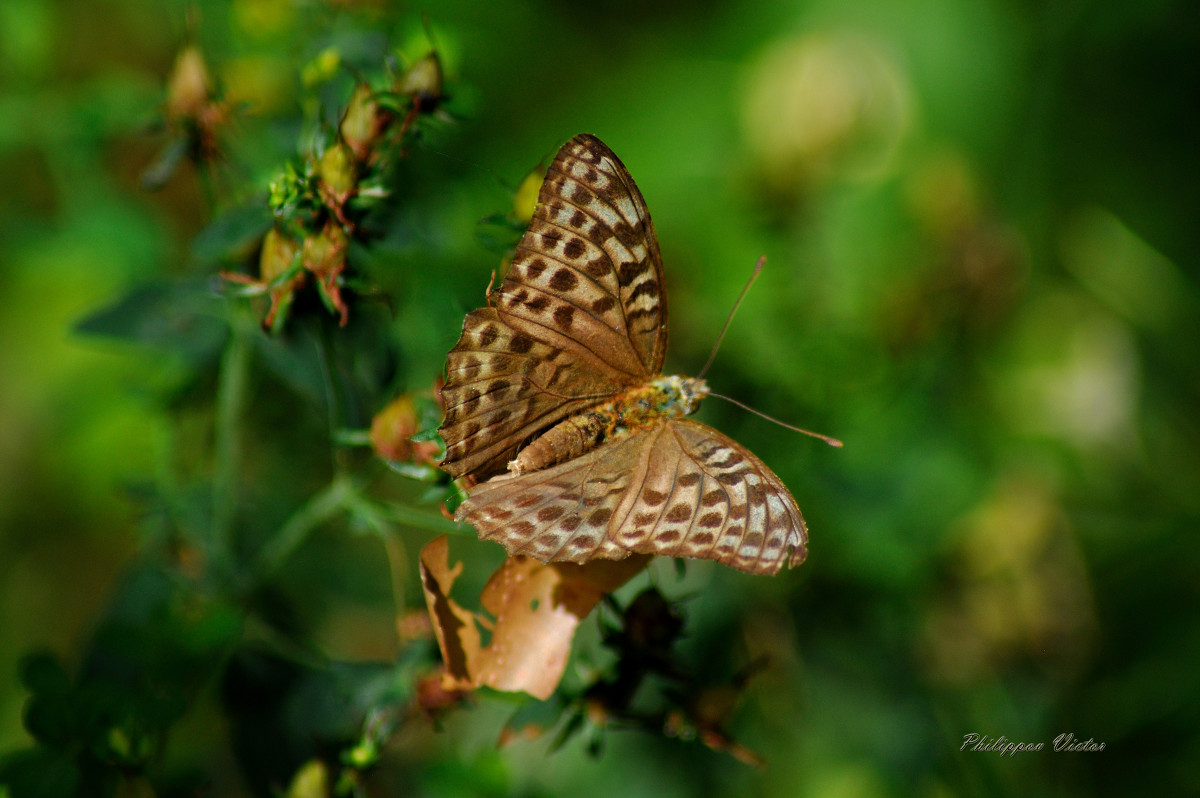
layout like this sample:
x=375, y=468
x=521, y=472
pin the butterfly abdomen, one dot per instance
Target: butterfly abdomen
x=637, y=409
x=565, y=440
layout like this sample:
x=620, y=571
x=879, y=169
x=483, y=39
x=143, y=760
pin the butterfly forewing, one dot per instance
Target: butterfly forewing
x=587, y=275
x=580, y=314
x=682, y=489
x=503, y=387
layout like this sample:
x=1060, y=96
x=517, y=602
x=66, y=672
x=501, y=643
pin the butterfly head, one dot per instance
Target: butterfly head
x=679, y=396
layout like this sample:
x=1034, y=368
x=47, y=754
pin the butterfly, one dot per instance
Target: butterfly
x=555, y=391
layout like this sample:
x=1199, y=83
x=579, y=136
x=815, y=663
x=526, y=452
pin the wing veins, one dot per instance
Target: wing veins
x=728, y=499
x=643, y=467
x=574, y=268
x=542, y=254
x=602, y=223
x=481, y=415
x=562, y=298
x=578, y=508
x=618, y=302
x=643, y=222
x=634, y=225
x=462, y=386
x=695, y=508
x=589, y=350
x=539, y=389
x=521, y=396
x=518, y=435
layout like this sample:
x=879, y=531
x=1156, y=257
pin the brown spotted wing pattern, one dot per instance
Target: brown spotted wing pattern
x=581, y=314
x=502, y=388
x=682, y=489
x=587, y=275
x=581, y=318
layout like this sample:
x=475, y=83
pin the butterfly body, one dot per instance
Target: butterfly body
x=633, y=411
x=556, y=403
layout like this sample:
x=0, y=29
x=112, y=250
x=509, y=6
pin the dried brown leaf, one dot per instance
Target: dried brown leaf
x=537, y=608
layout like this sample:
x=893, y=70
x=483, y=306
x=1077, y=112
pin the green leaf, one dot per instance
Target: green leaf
x=42, y=672
x=234, y=234
x=498, y=233
x=49, y=718
x=535, y=716
x=164, y=165
x=573, y=726
x=295, y=358
x=421, y=473
x=40, y=773
x=184, y=317
x=425, y=435
x=454, y=496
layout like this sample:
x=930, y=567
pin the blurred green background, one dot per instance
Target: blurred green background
x=980, y=219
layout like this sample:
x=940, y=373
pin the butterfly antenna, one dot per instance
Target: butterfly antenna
x=819, y=436
x=757, y=270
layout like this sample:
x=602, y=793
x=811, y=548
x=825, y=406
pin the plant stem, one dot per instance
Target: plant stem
x=332, y=404
x=321, y=507
x=231, y=398
x=422, y=520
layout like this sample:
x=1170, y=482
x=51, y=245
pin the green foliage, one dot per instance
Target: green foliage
x=159, y=642
x=980, y=231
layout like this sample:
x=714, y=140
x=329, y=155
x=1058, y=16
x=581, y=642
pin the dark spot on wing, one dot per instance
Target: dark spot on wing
x=565, y=279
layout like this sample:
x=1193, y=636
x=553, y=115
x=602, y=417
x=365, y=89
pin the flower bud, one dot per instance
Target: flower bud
x=277, y=256
x=189, y=86
x=325, y=251
x=423, y=82
x=391, y=430
x=278, y=253
x=363, y=122
x=525, y=200
x=324, y=255
x=337, y=170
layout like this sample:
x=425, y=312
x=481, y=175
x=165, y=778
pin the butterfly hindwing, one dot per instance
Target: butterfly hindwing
x=735, y=501
x=558, y=513
x=681, y=489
